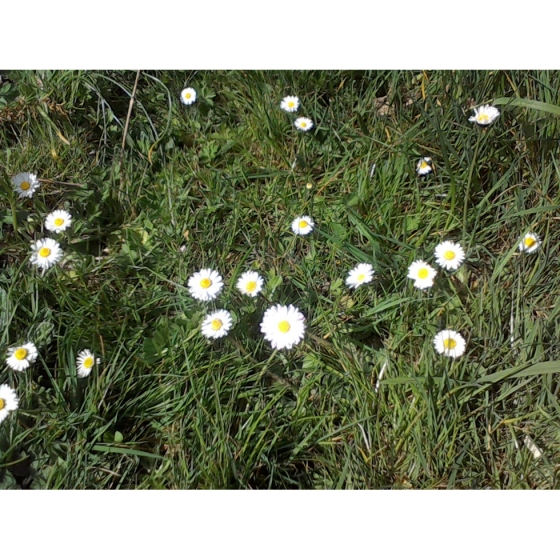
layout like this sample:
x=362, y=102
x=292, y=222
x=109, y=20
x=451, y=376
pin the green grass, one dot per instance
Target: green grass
x=167, y=409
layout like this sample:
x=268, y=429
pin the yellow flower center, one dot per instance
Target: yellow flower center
x=44, y=252
x=423, y=165
x=2, y=404
x=529, y=242
x=361, y=277
x=188, y=95
x=303, y=224
x=25, y=185
x=88, y=362
x=449, y=343
x=291, y=104
x=483, y=117
x=303, y=124
x=216, y=324
x=449, y=255
x=58, y=221
x=20, y=354
x=251, y=286
x=423, y=273
x=284, y=326
x=205, y=283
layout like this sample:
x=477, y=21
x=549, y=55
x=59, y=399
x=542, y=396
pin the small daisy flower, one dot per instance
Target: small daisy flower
x=205, y=284
x=217, y=324
x=449, y=255
x=531, y=242
x=485, y=115
x=21, y=357
x=361, y=274
x=303, y=123
x=188, y=96
x=302, y=225
x=85, y=362
x=450, y=343
x=290, y=104
x=422, y=274
x=46, y=252
x=8, y=401
x=283, y=326
x=424, y=166
x=58, y=221
x=25, y=184
x=250, y=283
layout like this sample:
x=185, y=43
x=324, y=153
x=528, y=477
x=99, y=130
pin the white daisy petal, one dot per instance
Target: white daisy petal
x=21, y=357
x=361, y=274
x=8, y=401
x=250, y=283
x=283, y=326
x=531, y=242
x=205, y=285
x=217, y=324
x=422, y=274
x=290, y=104
x=485, y=115
x=188, y=96
x=58, y=221
x=450, y=343
x=45, y=253
x=303, y=225
x=303, y=123
x=85, y=362
x=424, y=166
x=449, y=255
x=25, y=184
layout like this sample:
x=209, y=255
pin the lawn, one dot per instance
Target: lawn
x=159, y=190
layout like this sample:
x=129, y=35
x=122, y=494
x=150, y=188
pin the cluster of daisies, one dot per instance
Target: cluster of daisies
x=290, y=104
x=44, y=253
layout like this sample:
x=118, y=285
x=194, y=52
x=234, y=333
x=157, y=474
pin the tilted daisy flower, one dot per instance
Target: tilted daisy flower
x=422, y=274
x=450, y=343
x=217, y=324
x=302, y=225
x=58, y=221
x=8, y=401
x=188, y=96
x=485, y=115
x=283, y=326
x=25, y=184
x=290, y=104
x=424, y=166
x=531, y=242
x=46, y=252
x=85, y=362
x=205, y=284
x=250, y=283
x=21, y=357
x=449, y=255
x=361, y=274
x=303, y=123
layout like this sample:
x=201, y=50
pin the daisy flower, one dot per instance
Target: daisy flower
x=422, y=274
x=250, y=283
x=8, y=401
x=205, y=284
x=302, y=225
x=283, y=326
x=46, y=252
x=85, y=362
x=25, y=184
x=290, y=104
x=217, y=324
x=424, y=166
x=361, y=274
x=21, y=357
x=188, y=96
x=58, y=221
x=303, y=123
x=449, y=255
x=485, y=115
x=450, y=343
x=531, y=242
